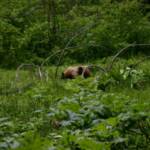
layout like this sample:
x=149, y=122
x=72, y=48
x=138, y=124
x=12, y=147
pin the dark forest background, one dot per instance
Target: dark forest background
x=30, y=31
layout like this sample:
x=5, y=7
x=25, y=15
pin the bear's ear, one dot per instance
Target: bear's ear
x=80, y=70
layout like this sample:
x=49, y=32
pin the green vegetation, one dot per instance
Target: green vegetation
x=91, y=29
x=106, y=111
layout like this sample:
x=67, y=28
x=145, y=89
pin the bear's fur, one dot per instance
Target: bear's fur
x=74, y=71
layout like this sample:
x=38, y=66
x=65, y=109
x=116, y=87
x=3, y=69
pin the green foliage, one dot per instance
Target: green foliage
x=30, y=31
x=108, y=111
x=78, y=114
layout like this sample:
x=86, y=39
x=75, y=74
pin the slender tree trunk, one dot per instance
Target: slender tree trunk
x=52, y=20
x=49, y=22
x=49, y=7
x=53, y=17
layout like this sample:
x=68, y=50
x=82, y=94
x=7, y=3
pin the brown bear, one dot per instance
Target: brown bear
x=74, y=71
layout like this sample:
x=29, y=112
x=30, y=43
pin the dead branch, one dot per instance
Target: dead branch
x=109, y=67
x=54, y=54
x=62, y=53
x=29, y=66
x=82, y=30
x=101, y=69
x=16, y=90
x=49, y=57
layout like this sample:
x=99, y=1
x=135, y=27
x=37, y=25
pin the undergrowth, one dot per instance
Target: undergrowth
x=103, y=112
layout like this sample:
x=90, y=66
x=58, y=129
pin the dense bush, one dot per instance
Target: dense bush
x=30, y=31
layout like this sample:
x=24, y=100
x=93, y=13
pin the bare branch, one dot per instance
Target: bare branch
x=53, y=54
x=83, y=29
x=98, y=67
x=109, y=67
x=28, y=65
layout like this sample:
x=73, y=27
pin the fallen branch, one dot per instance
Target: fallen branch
x=16, y=90
x=31, y=66
x=109, y=67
